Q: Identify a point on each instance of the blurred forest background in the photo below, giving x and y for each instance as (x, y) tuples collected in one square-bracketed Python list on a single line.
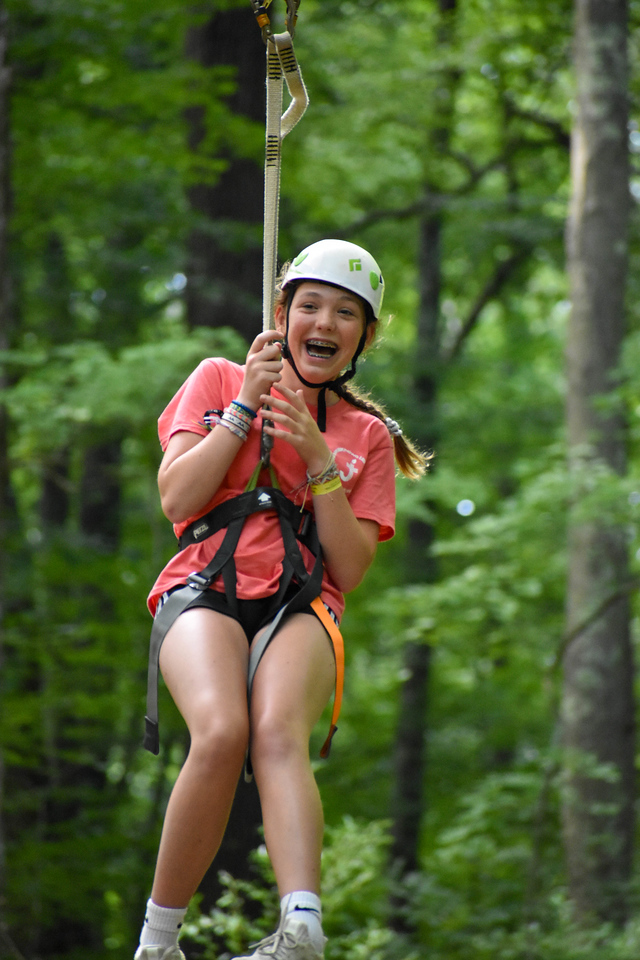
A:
[(480, 794)]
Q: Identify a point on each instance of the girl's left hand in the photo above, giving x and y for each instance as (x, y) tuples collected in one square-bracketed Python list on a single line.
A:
[(293, 422)]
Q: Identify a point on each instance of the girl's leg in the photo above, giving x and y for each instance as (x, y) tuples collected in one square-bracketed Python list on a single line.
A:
[(291, 688), (204, 663)]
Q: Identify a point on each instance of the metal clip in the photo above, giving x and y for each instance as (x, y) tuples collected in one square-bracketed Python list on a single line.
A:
[(291, 17), (197, 582), (260, 10)]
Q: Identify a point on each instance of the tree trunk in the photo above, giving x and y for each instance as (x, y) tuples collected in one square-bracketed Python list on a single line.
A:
[(411, 733), (5, 314), (100, 494), (225, 252), (54, 497), (597, 701)]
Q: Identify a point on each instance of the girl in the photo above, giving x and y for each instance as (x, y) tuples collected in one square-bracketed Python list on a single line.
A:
[(333, 454)]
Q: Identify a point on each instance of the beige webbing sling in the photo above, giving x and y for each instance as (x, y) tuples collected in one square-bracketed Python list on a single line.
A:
[(282, 67)]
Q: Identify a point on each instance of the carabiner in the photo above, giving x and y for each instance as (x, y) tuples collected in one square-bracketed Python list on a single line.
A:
[(291, 16), (260, 10)]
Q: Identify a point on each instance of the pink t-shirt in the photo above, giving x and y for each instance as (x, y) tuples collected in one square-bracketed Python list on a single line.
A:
[(364, 453)]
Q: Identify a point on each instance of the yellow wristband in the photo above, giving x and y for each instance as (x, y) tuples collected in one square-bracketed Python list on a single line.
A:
[(317, 489)]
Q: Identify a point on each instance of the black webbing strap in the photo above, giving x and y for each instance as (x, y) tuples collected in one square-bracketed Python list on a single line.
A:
[(295, 525), (175, 604), (252, 501)]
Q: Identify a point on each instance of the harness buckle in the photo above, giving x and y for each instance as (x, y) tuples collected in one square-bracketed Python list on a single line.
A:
[(197, 581)]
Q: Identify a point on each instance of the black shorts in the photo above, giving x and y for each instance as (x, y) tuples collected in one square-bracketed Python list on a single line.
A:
[(252, 615)]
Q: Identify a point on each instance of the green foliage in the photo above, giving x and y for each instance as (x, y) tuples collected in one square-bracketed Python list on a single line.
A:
[(409, 116), (478, 896), (354, 899)]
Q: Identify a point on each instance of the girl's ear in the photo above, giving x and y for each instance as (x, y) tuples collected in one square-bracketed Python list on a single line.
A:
[(280, 318), (371, 333)]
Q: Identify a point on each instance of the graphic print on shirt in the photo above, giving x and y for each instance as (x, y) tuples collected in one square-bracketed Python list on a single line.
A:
[(349, 463)]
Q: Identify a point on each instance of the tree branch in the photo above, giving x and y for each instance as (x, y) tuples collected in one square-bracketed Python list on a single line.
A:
[(591, 618), (555, 128), (494, 284), (10, 945), (430, 202)]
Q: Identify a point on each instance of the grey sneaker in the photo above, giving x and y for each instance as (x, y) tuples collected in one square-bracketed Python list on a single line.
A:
[(289, 942), (159, 953)]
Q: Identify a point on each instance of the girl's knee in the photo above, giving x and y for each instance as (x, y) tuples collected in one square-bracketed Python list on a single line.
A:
[(219, 740), (275, 737)]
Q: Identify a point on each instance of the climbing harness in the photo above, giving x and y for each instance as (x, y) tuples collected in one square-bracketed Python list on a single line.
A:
[(297, 525)]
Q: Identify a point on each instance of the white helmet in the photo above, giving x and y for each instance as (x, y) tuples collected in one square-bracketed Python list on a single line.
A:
[(342, 264)]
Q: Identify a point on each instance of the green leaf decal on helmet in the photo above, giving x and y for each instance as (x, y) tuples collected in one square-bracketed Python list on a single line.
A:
[(342, 264)]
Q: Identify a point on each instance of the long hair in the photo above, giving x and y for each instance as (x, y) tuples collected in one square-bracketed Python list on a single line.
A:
[(411, 461)]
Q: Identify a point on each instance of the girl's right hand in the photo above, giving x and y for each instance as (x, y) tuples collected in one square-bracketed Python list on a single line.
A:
[(263, 368)]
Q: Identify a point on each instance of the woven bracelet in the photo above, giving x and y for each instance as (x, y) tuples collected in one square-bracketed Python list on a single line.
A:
[(240, 407), (328, 472), (237, 427)]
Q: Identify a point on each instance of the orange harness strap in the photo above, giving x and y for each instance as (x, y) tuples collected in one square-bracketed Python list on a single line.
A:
[(330, 626)]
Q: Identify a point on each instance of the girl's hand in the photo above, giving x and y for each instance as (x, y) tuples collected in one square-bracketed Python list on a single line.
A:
[(348, 544), (293, 422), (263, 368)]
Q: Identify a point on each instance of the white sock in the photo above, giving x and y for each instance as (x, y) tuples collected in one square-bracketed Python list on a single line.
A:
[(161, 927), (306, 906)]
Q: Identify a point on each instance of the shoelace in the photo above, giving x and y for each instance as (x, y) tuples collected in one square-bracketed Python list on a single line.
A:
[(279, 943)]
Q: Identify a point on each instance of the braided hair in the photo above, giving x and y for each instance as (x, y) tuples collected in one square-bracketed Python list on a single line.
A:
[(411, 461)]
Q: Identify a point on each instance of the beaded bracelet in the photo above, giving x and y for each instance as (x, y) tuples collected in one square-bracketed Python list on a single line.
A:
[(327, 486)]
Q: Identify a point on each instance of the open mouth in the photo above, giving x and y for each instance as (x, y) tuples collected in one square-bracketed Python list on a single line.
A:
[(321, 349)]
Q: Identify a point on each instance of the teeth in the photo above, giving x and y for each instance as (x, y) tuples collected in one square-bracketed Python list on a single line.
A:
[(321, 348)]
